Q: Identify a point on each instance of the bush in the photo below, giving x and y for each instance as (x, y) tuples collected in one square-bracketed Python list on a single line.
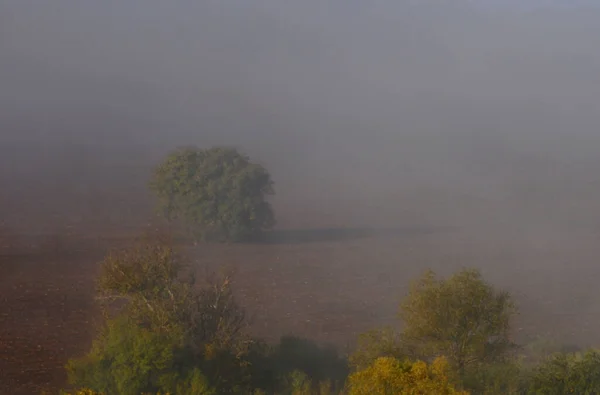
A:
[(163, 333), (568, 374), (218, 193), (131, 360), (296, 365), (387, 375), (502, 378), (322, 366)]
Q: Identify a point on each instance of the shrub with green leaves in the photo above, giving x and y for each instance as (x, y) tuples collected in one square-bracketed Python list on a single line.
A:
[(562, 373), (130, 360), (218, 193), (163, 333), (321, 365)]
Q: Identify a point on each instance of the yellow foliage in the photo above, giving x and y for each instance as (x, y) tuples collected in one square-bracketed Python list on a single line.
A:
[(85, 391), (387, 375), (210, 351)]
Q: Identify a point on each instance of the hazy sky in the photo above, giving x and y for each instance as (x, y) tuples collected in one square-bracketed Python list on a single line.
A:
[(483, 115), (495, 100)]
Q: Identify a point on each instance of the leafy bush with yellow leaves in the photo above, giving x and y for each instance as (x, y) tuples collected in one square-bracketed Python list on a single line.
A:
[(86, 391), (388, 375)]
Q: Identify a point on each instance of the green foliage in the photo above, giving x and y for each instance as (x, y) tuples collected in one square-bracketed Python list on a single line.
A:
[(163, 332), (148, 277), (568, 374), (463, 318), (294, 354), (540, 348), (143, 282), (299, 383), (374, 344), (387, 375), (194, 384), (128, 359), (218, 193), (166, 334), (277, 369), (499, 378)]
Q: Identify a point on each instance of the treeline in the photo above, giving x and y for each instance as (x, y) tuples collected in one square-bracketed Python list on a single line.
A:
[(167, 333)]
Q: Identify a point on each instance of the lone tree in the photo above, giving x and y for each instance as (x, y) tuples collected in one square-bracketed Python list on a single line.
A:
[(218, 193), (463, 318)]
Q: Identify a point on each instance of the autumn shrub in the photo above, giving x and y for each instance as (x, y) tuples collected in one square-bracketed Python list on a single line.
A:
[(390, 376)]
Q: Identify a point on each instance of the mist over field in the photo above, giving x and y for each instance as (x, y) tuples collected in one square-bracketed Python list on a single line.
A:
[(478, 118)]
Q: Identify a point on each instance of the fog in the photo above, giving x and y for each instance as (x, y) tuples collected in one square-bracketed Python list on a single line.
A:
[(470, 114), (475, 121)]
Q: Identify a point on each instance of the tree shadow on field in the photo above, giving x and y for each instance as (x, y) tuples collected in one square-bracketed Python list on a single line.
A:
[(322, 235)]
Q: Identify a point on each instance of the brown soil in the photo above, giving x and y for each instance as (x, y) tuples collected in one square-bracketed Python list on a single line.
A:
[(328, 285)]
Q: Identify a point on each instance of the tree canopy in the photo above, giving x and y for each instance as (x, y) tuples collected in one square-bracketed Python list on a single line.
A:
[(463, 318), (166, 334), (218, 193), (563, 373), (163, 333)]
